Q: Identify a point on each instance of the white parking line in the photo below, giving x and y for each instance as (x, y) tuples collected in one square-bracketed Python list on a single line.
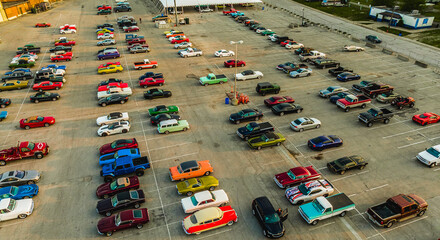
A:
[(322, 168), (349, 176), (169, 204), (371, 189), (429, 139), (414, 130), (176, 157), (356, 235), (384, 125), (391, 229), (436, 169), (154, 149)]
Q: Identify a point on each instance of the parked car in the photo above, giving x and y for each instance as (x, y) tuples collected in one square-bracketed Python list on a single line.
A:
[(430, 157), (157, 93), (42, 25), (362, 84), (334, 99), (44, 96), (163, 109), (266, 140), (114, 128), (264, 88), (172, 125), (249, 74), (296, 176), (147, 82), (426, 118), (139, 49), (401, 102), (283, 108), (20, 192), (302, 72), (336, 71), (270, 220), (373, 39), (122, 184), (13, 209), (4, 102), (348, 76), (332, 90), (118, 145), (182, 45), (232, 63), (19, 177), (193, 185), (110, 69), (131, 29), (245, 115), (112, 118), (304, 123), (122, 200), (309, 191), (106, 42), (375, 115), (208, 219), (351, 48), (190, 169), (272, 101), (204, 199), (341, 165), (47, 85), (13, 85), (123, 220), (387, 97), (323, 142), (224, 53), (36, 121), (155, 120)]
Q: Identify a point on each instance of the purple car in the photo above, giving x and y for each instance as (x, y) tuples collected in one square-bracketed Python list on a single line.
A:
[(323, 142)]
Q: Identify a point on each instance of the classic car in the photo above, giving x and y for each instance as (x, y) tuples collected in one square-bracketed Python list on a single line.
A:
[(122, 200), (112, 99), (304, 123), (231, 63), (157, 93), (104, 12), (296, 176), (147, 82), (358, 87), (172, 36), (114, 128), (123, 220), (227, 12), (179, 40), (13, 209), (104, 7), (109, 189), (112, 117), (190, 169), (70, 30), (283, 108), (205, 199), (341, 165), (129, 47), (19, 177), (118, 145), (104, 30), (110, 80), (13, 84), (401, 102), (260, 29), (182, 45), (163, 109), (323, 142), (58, 58), (163, 117), (20, 192), (112, 85), (44, 96), (64, 42), (3, 115), (267, 32), (36, 121), (172, 125), (334, 99), (302, 72), (136, 41), (61, 48), (272, 101), (106, 36), (266, 140), (139, 49), (18, 75), (249, 74), (245, 115), (151, 75), (387, 97), (106, 42), (47, 85), (270, 220), (42, 25), (4, 102), (293, 45), (131, 29), (111, 69), (107, 49), (373, 39), (193, 185), (332, 90), (109, 64), (308, 191), (224, 53), (104, 25), (208, 219), (352, 48), (348, 76), (426, 118), (281, 66)]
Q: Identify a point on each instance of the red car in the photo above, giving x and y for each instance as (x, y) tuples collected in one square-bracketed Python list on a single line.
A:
[(277, 100), (231, 63), (179, 40), (286, 42), (131, 29), (136, 40), (58, 58), (112, 85), (147, 82), (119, 185), (137, 44), (42, 25), (126, 219), (232, 10), (118, 145), (47, 85), (108, 64), (208, 219), (426, 118), (65, 43), (296, 176), (105, 7), (36, 121)]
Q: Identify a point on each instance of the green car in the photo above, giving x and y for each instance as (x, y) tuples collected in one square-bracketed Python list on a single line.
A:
[(192, 185), (266, 140), (163, 109), (22, 63), (104, 12), (267, 32), (213, 79), (172, 125)]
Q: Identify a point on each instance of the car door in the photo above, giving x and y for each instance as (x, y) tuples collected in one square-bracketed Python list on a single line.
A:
[(10, 182), (315, 193)]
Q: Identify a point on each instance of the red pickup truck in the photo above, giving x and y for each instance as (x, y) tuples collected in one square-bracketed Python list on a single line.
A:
[(24, 150), (147, 82), (136, 40), (352, 101)]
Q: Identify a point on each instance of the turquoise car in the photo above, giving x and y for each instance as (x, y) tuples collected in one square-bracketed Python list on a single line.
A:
[(172, 125), (267, 32)]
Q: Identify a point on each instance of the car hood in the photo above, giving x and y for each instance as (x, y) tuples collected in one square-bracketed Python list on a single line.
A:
[(106, 224), (24, 206), (187, 204), (234, 116), (105, 148), (310, 211), (104, 205), (275, 228), (103, 189), (26, 190), (283, 177), (220, 196), (293, 193), (32, 175), (101, 120), (427, 156), (42, 146)]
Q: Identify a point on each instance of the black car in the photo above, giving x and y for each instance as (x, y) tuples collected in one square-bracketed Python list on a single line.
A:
[(335, 98), (44, 96), (157, 93), (127, 23), (336, 71), (151, 75), (373, 39), (4, 102), (104, 25), (123, 200), (266, 87), (116, 98), (283, 108), (61, 48), (18, 75), (325, 63), (107, 48), (271, 220), (246, 115), (348, 76), (162, 117), (346, 163), (122, 8), (110, 80)]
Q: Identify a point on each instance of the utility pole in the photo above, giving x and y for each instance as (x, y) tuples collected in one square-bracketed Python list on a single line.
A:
[(392, 15), (235, 101), (175, 12)]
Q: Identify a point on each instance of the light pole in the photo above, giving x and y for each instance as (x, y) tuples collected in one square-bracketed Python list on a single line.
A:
[(392, 15), (235, 76), (302, 21)]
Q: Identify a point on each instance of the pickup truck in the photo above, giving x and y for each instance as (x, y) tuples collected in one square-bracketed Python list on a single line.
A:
[(311, 55), (28, 48), (124, 153), (374, 89), (145, 64), (254, 129), (336, 71), (191, 52), (130, 36), (352, 101), (124, 166), (325, 207), (136, 40), (396, 209), (121, 91), (49, 77), (213, 79), (23, 150), (374, 115)]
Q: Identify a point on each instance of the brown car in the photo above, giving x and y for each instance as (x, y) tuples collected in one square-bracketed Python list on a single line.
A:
[(123, 200)]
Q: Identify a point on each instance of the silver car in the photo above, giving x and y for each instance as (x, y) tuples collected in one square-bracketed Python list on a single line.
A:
[(19, 177), (305, 123), (106, 42), (182, 45), (139, 49)]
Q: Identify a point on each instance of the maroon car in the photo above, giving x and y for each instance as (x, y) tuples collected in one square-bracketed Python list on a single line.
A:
[(125, 219), (122, 200), (118, 145), (296, 176), (277, 100), (119, 185), (231, 63)]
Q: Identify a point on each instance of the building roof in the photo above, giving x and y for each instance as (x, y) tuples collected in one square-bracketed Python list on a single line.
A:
[(393, 15), (13, 4), (186, 3)]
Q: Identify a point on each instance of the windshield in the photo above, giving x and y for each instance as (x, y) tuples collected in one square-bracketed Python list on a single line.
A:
[(14, 190), (193, 219), (297, 122), (248, 127), (194, 201), (273, 218), (372, 112), (241, 113), (317, 206), (179, 169), (433, 152), (31, 145), (113, 145), (11, 205), (423, 116), (303, 189), (114, 201), (330, 89), (264, 138), (118, 219), (291, 175), (113, 185)]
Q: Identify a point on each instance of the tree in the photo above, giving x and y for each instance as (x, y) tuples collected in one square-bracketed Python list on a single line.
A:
[(388, 3), (409, 5)]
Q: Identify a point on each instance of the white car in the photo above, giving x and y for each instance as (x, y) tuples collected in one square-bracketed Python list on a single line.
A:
[(106, 42), (114, 128), (431, 156), (205, 10), (178, 36), (273, 37), (302, 72), (32, 58), (182, 45), (112, 118), (353, 48), (294, 45), (64, 31), (309, 191), (262, 30), (304, 123), (203, 200), (114, 90), (12, 209), (224, 53), (249, 74), (191, 52), (57, 72), (106, 36)]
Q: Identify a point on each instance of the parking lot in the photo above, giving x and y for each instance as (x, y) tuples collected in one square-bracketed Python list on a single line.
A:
[(65, 206)]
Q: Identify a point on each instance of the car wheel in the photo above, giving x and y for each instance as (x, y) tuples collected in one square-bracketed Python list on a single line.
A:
[(230, 223), (301, 130), (259, 148), (2, 163), (108, 214), (109, 234), (27, 127), (230, 66), (389, 224), (211, 188), (300, 202), (103, 104), (278, 143), (123, 101), (370, 124), (400, 107), (154, 66), (184, 129), (23, 216), (167, 132), (318, 126), (281, 113), (342, 172), (30, 182), (54, 99), (361, 167), (343, 214), (104, 134), (315, 222), (421, 213), (139, 226), (140, 172), (386, 121), (363, 105), (299, 110), (259, 77), (207, 173), (347, 109), (206, 84), (256, 119), (432, 165), (411, 105), (46, 124), (3, 106), (237, 122), (27, 197)]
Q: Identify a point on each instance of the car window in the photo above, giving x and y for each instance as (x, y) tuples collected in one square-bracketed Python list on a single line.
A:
[(407, 209)]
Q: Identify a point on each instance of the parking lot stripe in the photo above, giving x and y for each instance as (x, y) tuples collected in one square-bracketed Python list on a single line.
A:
[(176, 157), (436, 169), (408, 145), (324, 225), (214, 234), (414, 130), (402, 225), (171, 146), (356, 235), (384, 125), (371, 189)]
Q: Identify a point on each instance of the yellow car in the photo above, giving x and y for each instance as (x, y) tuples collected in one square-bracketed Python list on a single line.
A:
[(111, 69), (172, 31), (14, 84), (105, 30)]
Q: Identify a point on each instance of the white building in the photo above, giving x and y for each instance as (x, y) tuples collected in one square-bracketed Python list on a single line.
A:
[(414, 21)]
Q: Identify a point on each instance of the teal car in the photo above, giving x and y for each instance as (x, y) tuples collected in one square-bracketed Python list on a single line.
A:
[(104, 12), (267, 32), (163, 109), (213, 79), (172, 125)]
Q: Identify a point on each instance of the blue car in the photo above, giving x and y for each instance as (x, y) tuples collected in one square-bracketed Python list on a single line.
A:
[(108, 28), (151, 75), (54, 66), (18, 70), (335, 98), (323, 142), (348, 76), (20, 192), (236, 14)]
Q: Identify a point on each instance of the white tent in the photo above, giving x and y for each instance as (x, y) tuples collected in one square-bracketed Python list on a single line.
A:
[(187, 3)]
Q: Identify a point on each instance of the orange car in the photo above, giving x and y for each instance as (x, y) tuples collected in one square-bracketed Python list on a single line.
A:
[(190, 169), (175, 34)]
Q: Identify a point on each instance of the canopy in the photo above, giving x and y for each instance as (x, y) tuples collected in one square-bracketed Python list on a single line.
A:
[(186, 3)]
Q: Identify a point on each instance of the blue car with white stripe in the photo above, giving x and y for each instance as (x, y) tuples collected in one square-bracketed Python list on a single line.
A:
[(19, 192)]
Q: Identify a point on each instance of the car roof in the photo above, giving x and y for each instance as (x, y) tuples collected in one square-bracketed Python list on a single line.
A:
[(189, 164), (248, 110), (271, 135), (208, 213), (266, 205), (268, 84), (166, 122), (299, 171), (203, 196)]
